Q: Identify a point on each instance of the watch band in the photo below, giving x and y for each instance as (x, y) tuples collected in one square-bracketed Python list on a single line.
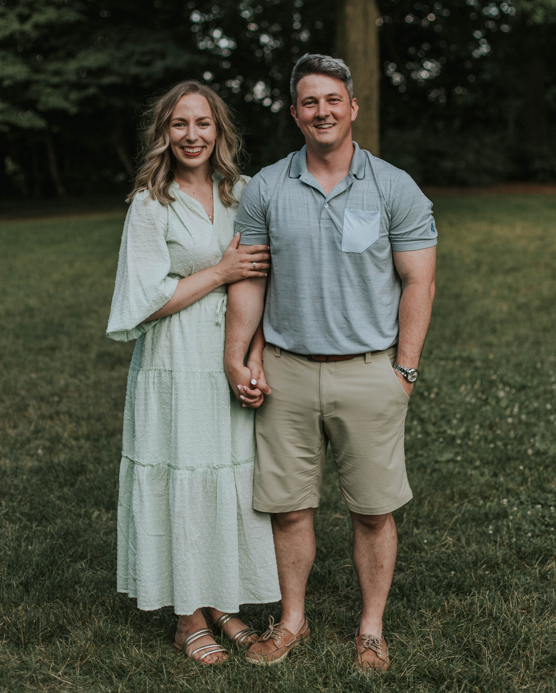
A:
[(410, 374)]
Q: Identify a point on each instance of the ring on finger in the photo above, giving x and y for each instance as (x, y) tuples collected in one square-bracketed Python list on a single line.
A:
[(254, 265)]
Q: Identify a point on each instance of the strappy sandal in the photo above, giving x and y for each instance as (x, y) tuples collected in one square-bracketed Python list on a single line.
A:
[(212, 649), (241, 638)]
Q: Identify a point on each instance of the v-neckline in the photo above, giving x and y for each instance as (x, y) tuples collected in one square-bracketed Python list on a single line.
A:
[(198, 204)]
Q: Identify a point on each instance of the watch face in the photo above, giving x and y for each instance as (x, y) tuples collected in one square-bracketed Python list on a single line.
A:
[(412, 376)]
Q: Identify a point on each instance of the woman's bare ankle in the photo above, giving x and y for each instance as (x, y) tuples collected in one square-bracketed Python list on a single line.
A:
[(231, 627), (190, 623), (214, 613)]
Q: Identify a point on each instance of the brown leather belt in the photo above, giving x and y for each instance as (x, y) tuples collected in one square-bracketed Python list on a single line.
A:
[(323, 359)]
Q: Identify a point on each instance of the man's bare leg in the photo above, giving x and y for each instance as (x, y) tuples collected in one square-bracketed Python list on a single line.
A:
[(294, 539), (375, 545)]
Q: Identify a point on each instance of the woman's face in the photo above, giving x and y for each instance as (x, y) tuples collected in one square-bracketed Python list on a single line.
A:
[(192, 131)]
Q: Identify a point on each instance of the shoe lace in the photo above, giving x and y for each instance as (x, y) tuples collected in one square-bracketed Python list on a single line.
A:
[(371, 642), (274, 631)]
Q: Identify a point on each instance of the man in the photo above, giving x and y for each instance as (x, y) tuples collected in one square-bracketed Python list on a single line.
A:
[(345, 230)]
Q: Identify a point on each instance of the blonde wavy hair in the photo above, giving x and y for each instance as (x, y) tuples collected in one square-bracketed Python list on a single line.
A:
[(156, 172)]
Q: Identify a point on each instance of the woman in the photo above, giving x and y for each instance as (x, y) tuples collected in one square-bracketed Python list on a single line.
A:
[(187, 533)]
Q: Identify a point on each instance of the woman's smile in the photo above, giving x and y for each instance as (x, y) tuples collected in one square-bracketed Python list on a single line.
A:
[(192, 152)]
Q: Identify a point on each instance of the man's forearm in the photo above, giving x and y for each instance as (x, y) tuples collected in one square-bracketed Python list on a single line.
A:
[(243, 315), (414, 316)]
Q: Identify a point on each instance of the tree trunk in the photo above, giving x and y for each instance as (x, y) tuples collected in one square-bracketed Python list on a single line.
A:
[(121, 150), (4, 179), (14, 170), (36, 172), (53, 164), (535, 101), (358, 45)]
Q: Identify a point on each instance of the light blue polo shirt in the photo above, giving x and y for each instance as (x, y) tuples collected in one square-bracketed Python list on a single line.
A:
[(333, 285)]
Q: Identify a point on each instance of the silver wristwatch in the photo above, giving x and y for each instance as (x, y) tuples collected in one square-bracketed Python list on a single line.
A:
[(410, 374)]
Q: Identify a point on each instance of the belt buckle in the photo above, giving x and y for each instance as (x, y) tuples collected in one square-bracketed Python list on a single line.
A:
[(323, 358)]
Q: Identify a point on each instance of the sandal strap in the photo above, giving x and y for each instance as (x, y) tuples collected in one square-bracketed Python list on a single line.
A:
[(195, 636), (221, 622), (212, 649), (240, 636)]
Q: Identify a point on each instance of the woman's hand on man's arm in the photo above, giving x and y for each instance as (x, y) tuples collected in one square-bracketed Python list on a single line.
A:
[(243, 262)]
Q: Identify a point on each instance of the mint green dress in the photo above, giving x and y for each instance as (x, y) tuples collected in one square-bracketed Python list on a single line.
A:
[(187, 533)]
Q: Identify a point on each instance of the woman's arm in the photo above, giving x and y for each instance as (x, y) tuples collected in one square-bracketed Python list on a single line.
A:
[(189, 290), (236, 264)]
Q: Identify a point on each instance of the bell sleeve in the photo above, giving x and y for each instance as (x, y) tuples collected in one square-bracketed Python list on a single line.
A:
[(142, 282)]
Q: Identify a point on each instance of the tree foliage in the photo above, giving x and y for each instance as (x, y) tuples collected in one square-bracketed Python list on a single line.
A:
[(478, 81), (537, 11), (468, 87)]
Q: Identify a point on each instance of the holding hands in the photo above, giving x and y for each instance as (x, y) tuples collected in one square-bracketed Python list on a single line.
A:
[(249, 383)]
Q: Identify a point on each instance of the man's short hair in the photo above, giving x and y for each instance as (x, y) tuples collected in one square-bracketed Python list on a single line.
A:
[(316, 64)]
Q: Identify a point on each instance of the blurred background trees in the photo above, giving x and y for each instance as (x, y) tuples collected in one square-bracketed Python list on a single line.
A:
[(461, 92)]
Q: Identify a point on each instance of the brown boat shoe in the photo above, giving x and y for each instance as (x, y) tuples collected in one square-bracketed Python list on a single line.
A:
[(371, 653), (275, 644)]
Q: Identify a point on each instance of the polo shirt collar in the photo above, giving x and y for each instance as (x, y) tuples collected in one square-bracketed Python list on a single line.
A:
[(358, 162), (357, 169), (298, 165)]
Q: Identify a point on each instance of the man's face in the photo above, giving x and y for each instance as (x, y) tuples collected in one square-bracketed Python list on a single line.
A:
[(323, 111)]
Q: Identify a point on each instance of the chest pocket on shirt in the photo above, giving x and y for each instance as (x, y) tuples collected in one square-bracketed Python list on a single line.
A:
[(361, 229)]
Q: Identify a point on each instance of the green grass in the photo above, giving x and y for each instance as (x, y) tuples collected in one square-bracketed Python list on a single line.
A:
[(472, 606)]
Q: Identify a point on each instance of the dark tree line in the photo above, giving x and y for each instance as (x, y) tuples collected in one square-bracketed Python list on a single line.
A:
[(467, 87)]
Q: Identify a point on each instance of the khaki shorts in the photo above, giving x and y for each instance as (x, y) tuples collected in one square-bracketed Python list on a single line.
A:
[(359, 406)]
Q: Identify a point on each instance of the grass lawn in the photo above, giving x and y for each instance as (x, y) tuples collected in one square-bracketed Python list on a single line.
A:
[(472, 606)]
